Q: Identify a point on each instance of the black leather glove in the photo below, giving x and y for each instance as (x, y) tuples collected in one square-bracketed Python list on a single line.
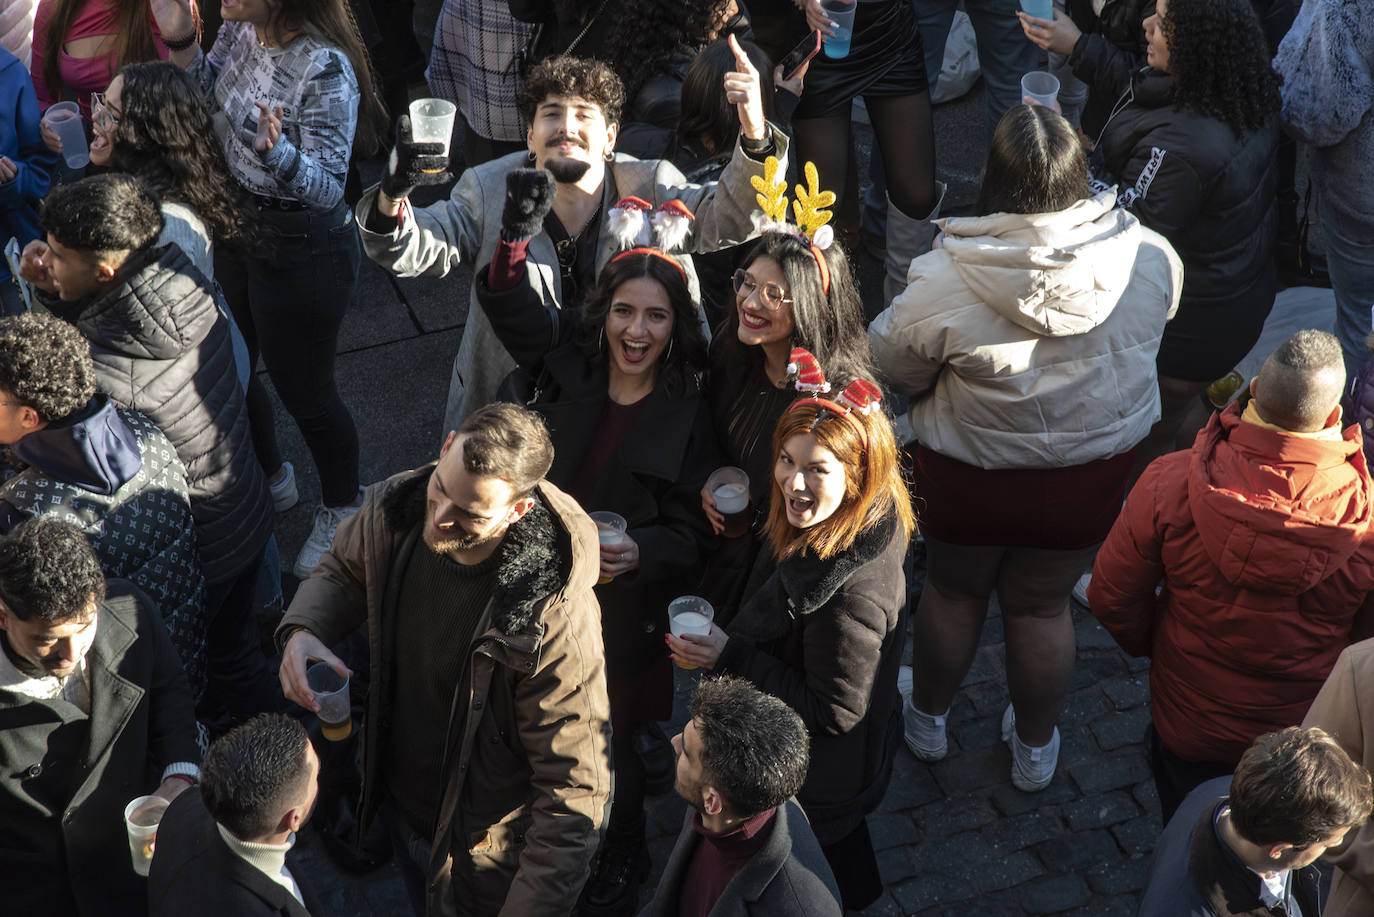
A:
[(529, 198), (412, 164)]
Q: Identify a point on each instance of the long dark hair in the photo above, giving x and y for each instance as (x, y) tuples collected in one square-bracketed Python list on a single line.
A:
[(830, 326), (650, 33), (680, 367), (706, 114), (331, 23), (1035, 164), (133, 37), (164, 137), (1220, 62)]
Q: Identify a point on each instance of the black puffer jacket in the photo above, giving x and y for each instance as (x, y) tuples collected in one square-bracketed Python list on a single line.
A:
[(1190, 178), (1118, 29), (162, 347), (826, 637)]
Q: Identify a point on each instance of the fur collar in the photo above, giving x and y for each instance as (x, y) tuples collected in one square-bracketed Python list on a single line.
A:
[(533, 562), (810, 583)]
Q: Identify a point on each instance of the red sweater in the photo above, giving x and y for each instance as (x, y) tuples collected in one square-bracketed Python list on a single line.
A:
[(718, 859)]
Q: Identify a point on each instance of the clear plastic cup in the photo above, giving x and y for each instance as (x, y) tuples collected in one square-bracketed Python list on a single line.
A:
[(65, 119), (1040, 88), (431, 121), (331, 693), (729, 487), (141, 818), (841, 12), (1040, 9), (690, 614), (610, 532)]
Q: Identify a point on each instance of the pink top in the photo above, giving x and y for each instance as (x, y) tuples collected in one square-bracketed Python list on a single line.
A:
[(80, 75)]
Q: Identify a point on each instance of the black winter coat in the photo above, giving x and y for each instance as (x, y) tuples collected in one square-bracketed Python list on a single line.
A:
[(1211, 193), (653, 479), (826, 637), (162, 347), (1118, 29)]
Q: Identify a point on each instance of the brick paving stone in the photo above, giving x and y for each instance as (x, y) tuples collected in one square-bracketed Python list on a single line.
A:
[(999, 904), (953, 815), (1116, 730), (1023, 831), (930, 890), (896, 864), (1119, 877), (892, 829), (1083, 707), (1137, 664), (1127, 692), (988, 699), (912, 788), (973, 769), (1101, 811), (1147, 795), (1095, 668), (1005, 872), (1121, 907), (952, 855), (1076, 852), (1054, 894), (886, 906), (987, 665), (1139, 834), (1076, 744), (1109, 773), (981, 732), (1089, 635), (1011, 801)]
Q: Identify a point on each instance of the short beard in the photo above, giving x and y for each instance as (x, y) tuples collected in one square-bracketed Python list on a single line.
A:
[(567, 171), (465, 543)]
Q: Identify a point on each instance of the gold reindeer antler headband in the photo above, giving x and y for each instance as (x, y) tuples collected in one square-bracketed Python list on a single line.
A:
[(809, 208)]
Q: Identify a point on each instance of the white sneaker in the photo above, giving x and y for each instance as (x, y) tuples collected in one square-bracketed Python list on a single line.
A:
[(924, 733), (284, 495), (327, 519), (1080, 590), (1032, 769)]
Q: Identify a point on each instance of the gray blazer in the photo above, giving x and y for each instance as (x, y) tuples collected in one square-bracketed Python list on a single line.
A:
[(788, 877), (464, 230)]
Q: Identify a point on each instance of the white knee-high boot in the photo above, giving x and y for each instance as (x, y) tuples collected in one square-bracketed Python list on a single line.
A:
[(907, 238)]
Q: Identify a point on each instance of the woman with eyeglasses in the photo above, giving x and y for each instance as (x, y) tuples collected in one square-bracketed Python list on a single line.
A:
[(620, 388), (781, 301)]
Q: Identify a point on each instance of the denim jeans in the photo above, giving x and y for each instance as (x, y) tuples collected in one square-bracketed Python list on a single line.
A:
[(1350, 260), (289, 304)]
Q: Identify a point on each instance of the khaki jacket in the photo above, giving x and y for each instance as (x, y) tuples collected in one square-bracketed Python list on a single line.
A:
[(531, 767), (1342, 708)]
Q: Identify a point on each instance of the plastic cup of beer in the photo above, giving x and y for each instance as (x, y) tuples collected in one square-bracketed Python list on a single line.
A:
[(141, 818), (690, 614), (65, 119), (1040, 88), (331, 693), (610, 532), (431, 121), (729, 487)]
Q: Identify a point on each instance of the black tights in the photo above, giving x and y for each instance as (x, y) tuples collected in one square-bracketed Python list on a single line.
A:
[(905, 136)]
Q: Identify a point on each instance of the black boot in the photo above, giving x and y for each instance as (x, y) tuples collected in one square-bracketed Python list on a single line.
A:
[(621, 867)]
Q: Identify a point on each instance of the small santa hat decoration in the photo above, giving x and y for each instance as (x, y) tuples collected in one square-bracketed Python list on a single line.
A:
[(672, 222), (804, 366), (628, 222), (861, 395)]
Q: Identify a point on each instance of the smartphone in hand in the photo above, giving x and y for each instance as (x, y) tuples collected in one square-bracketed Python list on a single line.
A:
[(795, 59)]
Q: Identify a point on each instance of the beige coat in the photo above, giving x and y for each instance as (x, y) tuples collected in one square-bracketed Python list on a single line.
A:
[(1029, 340), (1345, 708)]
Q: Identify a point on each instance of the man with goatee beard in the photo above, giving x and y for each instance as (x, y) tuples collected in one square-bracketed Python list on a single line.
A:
[(487, 725), (572, 110)]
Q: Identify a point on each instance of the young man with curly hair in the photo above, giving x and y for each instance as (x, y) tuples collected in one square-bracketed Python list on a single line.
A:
[(94, 711), (572, 108)]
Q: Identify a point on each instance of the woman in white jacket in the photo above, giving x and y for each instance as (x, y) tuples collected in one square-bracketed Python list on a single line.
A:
[(1026, 342)]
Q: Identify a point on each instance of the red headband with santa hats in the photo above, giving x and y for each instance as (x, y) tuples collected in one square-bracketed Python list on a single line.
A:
[(859, 396)]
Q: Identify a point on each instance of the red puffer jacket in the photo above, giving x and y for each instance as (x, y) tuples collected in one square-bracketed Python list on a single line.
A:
[(1262, 543)]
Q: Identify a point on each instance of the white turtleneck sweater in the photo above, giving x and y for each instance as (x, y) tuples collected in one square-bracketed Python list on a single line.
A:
[(269, 859)]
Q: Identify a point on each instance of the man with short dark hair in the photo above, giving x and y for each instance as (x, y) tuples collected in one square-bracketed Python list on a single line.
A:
[(222, 850), (162, 347), (745, 844), (571, 109), (1244, 566), (486, 740), (1294, 795), (94, 711)]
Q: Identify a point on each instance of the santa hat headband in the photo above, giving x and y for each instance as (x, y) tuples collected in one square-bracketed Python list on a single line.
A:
[(858, 397), (809, 208), (636, 225)]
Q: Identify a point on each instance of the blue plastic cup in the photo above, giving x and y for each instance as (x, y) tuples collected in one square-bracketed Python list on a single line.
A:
[(1040, 9), (841, 12)]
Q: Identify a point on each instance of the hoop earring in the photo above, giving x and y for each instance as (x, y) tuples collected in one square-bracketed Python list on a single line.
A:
[(668, 354), (609, 155), (531, 157), (600, 340)]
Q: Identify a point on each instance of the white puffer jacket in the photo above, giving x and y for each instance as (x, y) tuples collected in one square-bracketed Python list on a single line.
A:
[(1029, 340)]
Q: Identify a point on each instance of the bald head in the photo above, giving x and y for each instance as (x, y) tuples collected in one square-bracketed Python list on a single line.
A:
[(1301, 382)]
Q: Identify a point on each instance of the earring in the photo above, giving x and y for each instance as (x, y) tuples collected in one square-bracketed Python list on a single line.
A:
[(531, 157), (668, 354), (600, 340), (610, 155)]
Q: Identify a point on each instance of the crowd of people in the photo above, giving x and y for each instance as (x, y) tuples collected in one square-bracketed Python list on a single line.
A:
[(660, 209)]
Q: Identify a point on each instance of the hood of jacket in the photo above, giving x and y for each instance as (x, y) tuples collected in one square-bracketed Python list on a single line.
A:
[(94, 449), (539, 555), (1277, 512), (1056, 274), (160, 309)]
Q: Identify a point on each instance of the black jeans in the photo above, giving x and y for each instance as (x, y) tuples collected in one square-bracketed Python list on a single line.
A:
[(1176, 777), (241, 683), (289, 304)]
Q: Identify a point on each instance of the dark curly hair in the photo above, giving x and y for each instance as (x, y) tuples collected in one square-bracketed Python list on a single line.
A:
[(252, 774), (651, 33), (49, 571), (164, 137), (572, 76), (1220, 62), (102, 215), (680, 367), (46, 364), (754, 747)]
